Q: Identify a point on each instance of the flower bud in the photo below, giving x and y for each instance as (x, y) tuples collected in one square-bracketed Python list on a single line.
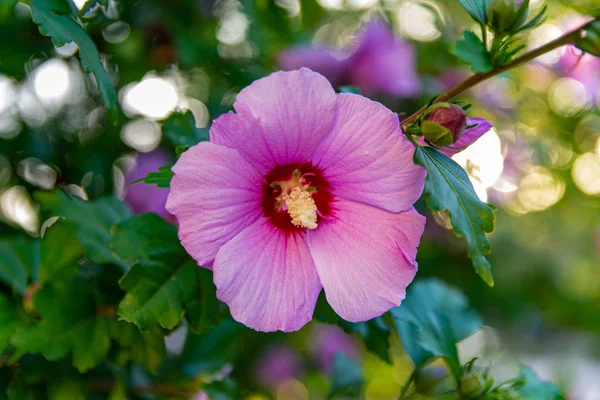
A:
[(444, 125), (507, 15), (30, 291), (473, 386), (433, 380)]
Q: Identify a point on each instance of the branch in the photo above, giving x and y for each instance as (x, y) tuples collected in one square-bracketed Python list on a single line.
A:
[(473, 80)]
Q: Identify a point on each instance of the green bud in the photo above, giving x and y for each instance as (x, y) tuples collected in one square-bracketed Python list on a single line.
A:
[(444, 125), (507, 16), (434, 380), (473, 386)]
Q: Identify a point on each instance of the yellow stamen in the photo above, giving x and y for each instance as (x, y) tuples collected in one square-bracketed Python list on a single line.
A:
[(301, 207)]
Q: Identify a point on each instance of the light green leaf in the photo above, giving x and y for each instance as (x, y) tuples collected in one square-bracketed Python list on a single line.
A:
[(59, 252), (447, 187), (69, 323), (54, 20), (431, 320), (93, 220), (347, 377), (472, 51), (161, 178)]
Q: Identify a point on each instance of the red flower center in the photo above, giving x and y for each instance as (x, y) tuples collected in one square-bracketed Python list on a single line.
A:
[(276, 182)]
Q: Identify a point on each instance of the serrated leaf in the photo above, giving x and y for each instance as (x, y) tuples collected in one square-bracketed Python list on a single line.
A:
[(19, 259), (472, 51), (447, 187), (145, 348), (477, 9), (59, 252), (161, 178), (181, 130), (431, 320), (146, 237), (156, 293), (374, 333), (91, 4), (347, 377), (54, 20), (93, 220), (69, 323)]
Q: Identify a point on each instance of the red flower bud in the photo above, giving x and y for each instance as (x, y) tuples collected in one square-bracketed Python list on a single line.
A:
[(444, 125)]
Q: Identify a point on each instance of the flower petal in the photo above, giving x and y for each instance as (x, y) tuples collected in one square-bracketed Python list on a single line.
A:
[(267, 278), (469, 136), (367, 159), (383, 63), (327, 62), (292, 112), (215, 194), (365, 258)]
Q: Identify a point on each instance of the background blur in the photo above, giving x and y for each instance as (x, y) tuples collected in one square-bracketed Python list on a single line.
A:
[(178, 65)]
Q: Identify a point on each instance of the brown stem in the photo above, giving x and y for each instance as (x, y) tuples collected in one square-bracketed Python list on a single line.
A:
[(477, 78), (107, 387)]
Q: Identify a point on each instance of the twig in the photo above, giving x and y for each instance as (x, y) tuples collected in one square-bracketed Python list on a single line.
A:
[(477, 78)]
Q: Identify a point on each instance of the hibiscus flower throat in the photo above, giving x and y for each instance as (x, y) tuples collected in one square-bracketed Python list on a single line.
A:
[(296, 197)]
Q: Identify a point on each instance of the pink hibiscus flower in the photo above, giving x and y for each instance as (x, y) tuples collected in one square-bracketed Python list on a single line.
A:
[(301, 189), (379, 62)]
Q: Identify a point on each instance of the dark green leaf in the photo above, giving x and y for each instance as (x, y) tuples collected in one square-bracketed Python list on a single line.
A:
[(59, 252), (91, 4), (146, 237), (590, 41), (181, 130), (472, 51), (93, 220), (70, 322), (431, 320), (347, 377), (448, 187), (67, 387), (210, 351), (157, 292), (54, 20), (19, 259), (162, 178), (202, 310), (375, 333), (10, 321), (224, 390), (145, 348)]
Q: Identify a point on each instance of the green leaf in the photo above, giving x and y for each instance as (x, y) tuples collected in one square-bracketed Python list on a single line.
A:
[(19, 259), (477, 9), (67, 387), (93, 220), (347, 377), (162, 178), (472, 51), (70, 322), (224, 390), (431, 320), (530, 387), (59, 252), (210, 351), (202, 310), (146, 237), (156, 293), (145, 348), (181, 130), (54, 20), (10, 321), (590, 41), (374, 333), (91, 4), (447, 187)]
